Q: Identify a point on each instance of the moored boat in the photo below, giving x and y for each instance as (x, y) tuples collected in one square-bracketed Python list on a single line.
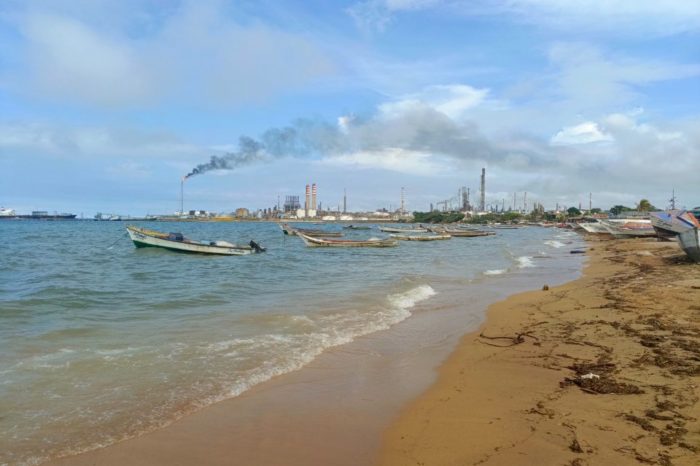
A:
[(177, 242), (316, 242), (420, 237), (457, 233), (291, 231), (690, 243), (403, 230), (357, 227)]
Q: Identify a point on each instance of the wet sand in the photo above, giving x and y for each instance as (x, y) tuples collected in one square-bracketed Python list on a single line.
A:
[(602, 370)]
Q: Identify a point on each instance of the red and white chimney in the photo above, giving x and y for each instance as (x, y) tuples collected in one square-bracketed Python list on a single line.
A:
[(313, 197), (307, 201)]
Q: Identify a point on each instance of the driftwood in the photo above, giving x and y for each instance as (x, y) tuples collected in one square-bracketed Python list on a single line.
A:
[(510, 340)]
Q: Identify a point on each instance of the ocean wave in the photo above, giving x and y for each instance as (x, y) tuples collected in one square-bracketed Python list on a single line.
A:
[(525, 262), (554, 243), (495, 272)]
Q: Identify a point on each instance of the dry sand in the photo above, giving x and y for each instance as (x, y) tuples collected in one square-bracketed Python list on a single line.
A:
[(602, 370)]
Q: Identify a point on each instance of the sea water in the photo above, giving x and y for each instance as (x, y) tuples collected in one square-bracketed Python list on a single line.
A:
[(100, 341)]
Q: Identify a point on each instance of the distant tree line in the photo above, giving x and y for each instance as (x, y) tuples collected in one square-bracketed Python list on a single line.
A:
[(537, 214)]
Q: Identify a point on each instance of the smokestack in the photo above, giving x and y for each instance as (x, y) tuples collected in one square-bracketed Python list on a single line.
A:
[(482, 205), (313, 197), (403, 204), (182, 195), (345, 201), (307, 200)]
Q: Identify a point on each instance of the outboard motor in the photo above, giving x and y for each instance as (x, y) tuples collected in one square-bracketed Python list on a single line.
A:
[(256, 247)]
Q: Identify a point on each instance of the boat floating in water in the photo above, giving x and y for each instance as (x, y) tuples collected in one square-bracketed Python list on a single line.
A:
[(291, 231), (316, 242), (357, 227), (177, 242), (462, 233), (403, 230), (421, 237)]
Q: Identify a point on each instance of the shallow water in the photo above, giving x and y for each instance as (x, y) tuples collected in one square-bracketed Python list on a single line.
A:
[(101, 344)]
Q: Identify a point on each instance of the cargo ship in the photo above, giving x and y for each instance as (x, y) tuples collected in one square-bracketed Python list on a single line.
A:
[(44, 215)]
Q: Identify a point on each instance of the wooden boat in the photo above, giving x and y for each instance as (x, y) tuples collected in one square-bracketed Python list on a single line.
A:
[(462, 232), (291, 231), (420, 237), (671, 223), (690, 243), (630, 228), (357, 227), (315, 242), (403, 230), (177, 242)]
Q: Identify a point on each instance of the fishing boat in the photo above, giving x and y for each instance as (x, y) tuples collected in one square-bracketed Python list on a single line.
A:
[(595, 228), (291, 231), (637, 228), (177, 242), (357, 227), (462, 233), (671, 223), (315, 242), (420, 237), (690, 243), (403, 230)]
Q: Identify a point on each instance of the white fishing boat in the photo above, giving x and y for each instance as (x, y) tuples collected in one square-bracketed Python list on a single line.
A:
[(671, 223), (316, 242), (595, 228), (403, 230), (690, 243), (421, 237), (177, 242), (628, 228)]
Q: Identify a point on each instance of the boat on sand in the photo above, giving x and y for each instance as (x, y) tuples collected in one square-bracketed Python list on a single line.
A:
[(143, 237), (690, 243), (315, 242)]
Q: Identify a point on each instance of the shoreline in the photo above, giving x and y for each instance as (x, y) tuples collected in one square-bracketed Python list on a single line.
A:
[(333, 410), (604, 369)]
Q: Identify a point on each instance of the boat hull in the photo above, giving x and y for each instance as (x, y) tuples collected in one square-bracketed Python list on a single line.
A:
[(403, 230), (146, 238), (690, 243), (421, 238), (314, 242)]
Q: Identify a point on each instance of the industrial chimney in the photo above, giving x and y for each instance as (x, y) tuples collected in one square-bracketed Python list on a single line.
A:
[(307, 200), (482, 202), (313, 197)]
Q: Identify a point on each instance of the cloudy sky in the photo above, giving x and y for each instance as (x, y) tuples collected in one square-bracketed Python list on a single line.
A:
[(105, 105)]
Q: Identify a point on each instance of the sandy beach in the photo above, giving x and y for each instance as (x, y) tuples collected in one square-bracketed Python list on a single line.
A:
[(602, 370)]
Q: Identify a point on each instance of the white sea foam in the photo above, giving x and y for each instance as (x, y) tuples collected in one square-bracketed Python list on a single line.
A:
[(525, 262), (495, 272), (554, 243)]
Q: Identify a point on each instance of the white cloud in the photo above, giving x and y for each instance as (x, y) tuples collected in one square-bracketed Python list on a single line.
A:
[(626, 17), (392, 159), (63, 141), (584, 133), (194, 52), (452, 100)]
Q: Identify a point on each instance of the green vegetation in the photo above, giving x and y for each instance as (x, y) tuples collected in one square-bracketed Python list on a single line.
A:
[(573, 212), (618, 209), (437, 217), (645, 206)]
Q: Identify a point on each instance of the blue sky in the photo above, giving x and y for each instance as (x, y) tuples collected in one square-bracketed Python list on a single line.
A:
[(105, 105)]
